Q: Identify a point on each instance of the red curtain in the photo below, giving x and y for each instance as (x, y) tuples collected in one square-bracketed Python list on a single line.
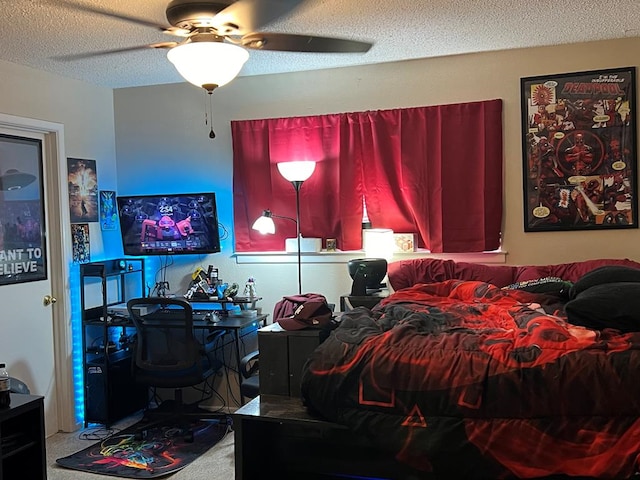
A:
[(330, 201), (436, 171), (433, 171)]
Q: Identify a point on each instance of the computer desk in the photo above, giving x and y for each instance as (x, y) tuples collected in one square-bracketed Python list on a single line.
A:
[(233, 324)]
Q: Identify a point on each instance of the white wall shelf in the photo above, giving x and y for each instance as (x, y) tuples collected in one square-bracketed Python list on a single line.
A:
[(343, 257)]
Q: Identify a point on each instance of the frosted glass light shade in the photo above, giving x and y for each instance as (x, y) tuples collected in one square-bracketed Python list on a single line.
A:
[(264, 224), (296, 171), (208, 63), (378, 243)]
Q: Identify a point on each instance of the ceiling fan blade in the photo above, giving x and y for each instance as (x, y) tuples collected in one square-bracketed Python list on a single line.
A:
[(244, 16), (113, 14), (303, 43), (80, 56)]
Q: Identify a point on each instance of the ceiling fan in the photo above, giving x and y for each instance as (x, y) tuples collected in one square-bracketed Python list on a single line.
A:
[(217, 34)]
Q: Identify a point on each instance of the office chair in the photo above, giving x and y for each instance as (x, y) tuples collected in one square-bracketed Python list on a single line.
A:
[(168, 354), (249, 365)]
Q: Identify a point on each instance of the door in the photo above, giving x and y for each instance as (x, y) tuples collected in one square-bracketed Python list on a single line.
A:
[(30, 268)]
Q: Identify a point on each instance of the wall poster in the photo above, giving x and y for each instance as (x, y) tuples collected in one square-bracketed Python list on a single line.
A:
[(83, 190), (80, 242), (22, 228), (579, 150), (108, 210)]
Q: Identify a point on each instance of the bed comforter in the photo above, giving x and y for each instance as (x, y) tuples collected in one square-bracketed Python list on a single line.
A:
[(467, 380)]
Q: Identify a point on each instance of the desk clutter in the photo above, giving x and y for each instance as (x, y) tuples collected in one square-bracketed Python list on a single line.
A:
[(110, 337), (209, 286)]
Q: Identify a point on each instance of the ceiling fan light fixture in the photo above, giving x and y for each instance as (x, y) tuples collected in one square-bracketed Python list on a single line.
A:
[(208, 63)]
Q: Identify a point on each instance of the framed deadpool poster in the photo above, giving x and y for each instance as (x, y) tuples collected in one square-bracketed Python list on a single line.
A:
[(579, 150)]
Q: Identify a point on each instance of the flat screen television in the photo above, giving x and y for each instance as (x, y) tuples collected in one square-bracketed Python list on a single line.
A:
[(185, 223)]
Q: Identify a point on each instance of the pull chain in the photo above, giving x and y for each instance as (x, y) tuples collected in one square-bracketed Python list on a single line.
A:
[(212, 134), (206, 113), (208, 116)]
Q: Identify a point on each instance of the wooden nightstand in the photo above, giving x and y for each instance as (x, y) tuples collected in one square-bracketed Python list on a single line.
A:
[(23, 451), (349, 302)]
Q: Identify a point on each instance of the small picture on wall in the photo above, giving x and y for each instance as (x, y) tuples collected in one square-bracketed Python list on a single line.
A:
[(80, 242), (108, 210), (579, 150), (83, 190)]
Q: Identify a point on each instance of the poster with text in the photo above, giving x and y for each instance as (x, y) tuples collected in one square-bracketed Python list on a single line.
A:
[(83, 190), (579, 150), (22, 211)]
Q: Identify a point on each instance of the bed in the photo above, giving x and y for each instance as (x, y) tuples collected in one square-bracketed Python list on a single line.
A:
[(491, 371)]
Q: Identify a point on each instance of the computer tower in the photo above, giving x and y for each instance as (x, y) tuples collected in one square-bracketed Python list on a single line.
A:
[(95, 394), (120, 396)]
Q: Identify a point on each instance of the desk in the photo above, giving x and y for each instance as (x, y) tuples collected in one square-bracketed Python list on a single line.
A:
[(242, 302), (233, 324)]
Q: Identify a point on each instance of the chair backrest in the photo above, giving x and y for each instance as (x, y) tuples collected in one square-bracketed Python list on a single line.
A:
[(167, 354)]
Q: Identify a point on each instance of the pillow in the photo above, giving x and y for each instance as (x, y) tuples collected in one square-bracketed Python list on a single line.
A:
[(604, 275), (610, 305), (549, 285), (576, 270)]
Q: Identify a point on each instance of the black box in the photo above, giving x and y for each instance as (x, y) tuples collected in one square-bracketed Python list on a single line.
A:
[(122, 397), (283, 354)]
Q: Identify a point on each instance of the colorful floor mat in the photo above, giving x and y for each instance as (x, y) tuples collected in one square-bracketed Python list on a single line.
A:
[(165, 449)]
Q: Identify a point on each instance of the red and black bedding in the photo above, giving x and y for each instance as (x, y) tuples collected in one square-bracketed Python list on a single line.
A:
[(465, 379)]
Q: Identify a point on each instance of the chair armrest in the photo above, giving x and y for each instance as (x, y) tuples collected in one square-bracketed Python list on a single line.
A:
[(249, 364)]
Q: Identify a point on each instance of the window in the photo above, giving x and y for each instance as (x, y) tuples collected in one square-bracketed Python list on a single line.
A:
[(433, 171)]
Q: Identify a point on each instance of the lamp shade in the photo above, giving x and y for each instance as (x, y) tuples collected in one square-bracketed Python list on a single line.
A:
[(264, 223), (208, 63), (298, 171), (378, 242)]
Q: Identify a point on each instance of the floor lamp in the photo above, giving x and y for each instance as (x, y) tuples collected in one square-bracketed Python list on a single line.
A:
[(297, 173)]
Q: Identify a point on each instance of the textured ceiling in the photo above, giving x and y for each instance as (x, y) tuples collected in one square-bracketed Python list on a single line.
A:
[(33, 32)]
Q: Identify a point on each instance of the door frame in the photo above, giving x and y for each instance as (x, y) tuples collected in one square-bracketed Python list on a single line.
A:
[(59, 240)]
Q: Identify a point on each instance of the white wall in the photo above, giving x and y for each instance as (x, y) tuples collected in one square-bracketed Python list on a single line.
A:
[(86, 111), (162, 140)]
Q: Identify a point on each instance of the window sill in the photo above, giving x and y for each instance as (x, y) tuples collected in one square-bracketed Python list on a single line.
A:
[(498, 256)]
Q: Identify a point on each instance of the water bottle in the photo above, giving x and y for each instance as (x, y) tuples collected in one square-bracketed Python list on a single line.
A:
[(5, 396)]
